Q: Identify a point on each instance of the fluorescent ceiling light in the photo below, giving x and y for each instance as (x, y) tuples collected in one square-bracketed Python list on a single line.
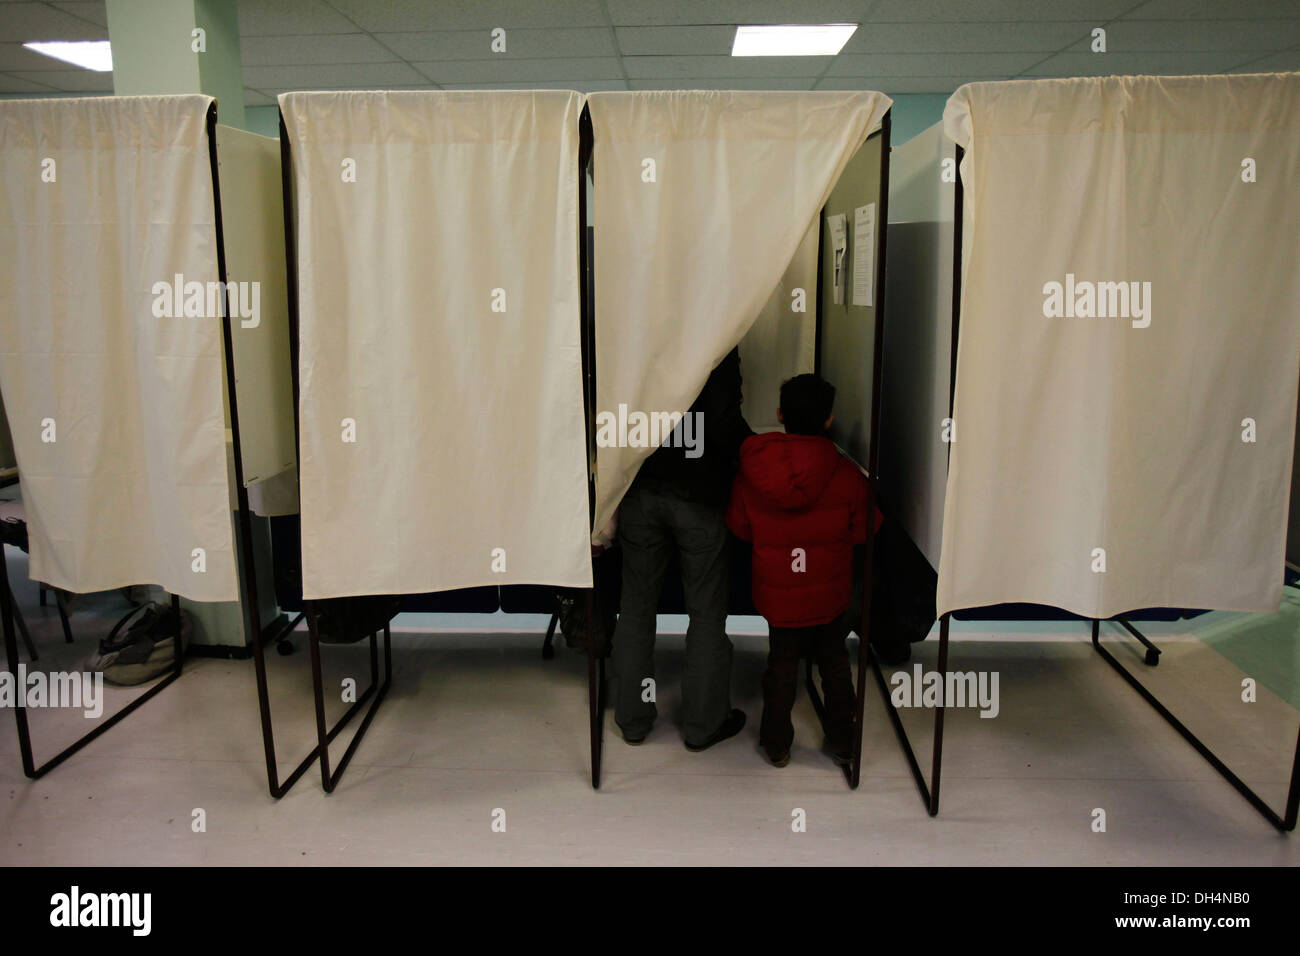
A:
[(814, 39), (94, 55)]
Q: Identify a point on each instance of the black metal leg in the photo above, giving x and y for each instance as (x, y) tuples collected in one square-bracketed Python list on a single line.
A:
[(22, 625), (1152, 657), (548, 645), (930, 792), (60, 603), (277, 788), (595, 690), (323, 736), (7, 613), (1285, 823)]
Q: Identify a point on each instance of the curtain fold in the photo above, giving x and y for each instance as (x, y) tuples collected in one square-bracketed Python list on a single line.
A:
[(701, 201)]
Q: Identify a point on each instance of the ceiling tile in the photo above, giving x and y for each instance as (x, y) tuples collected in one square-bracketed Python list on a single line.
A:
[(1213, 10), (72, 81), (933, 64), (680, 41), (17, 84), (23, 22), (325, 88), (582, 86), (1197, 36), (406, 16), (725, 83), (894, 85), (93, 10), (14, 56), (520, 44), (509, 71), (338, 76), (967, 37), (1011, 12), (327, 48), (1287, 62), (668, 12), (668, 67), (290, 18), (1126, 64)]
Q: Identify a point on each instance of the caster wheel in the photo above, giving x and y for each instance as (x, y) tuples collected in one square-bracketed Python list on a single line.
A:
[(548, 652), (1152, 658), (284, 648)]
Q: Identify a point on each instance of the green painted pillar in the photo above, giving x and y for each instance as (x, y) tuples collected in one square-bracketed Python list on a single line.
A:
[(192, 46), (179, 46)]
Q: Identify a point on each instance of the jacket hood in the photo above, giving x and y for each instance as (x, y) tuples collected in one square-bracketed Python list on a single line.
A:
[(790, 471)]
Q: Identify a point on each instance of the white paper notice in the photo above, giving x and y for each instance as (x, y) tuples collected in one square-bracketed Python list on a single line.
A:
[(839, 247), (864, 246)]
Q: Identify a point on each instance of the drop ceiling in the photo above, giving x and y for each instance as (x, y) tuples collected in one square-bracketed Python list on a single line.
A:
[(903, 46)]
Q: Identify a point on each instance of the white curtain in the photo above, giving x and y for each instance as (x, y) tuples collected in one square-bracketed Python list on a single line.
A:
[(1129, 343), (701, 200), (116, 406), (441, 424)]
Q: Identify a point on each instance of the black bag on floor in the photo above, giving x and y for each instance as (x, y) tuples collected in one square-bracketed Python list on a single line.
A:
[(347, 620)]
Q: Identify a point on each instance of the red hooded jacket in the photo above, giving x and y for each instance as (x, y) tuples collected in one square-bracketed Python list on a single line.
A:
[(804, 505)]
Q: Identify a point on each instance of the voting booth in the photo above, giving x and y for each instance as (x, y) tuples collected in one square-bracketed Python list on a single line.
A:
[(1124, 407), (736, 219), (441, 429), (116, 368)]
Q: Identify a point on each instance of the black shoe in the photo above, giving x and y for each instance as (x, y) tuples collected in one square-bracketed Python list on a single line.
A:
[(776, 760), (730, 727), (635, 741)]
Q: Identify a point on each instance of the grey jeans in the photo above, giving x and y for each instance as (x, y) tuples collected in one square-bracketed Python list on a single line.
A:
[(652, 523)]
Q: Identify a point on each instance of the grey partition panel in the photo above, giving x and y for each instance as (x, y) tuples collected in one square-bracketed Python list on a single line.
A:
[(847, 335), (8, 460), (917, 370), (252, 218)]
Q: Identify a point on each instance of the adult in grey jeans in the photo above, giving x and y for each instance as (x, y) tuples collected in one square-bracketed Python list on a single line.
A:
[(676, 504)]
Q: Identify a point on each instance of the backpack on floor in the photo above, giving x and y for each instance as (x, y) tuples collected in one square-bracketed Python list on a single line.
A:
[(144, 650)]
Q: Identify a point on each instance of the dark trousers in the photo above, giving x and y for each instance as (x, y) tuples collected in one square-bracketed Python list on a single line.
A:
[(824, 645), (653, 523)]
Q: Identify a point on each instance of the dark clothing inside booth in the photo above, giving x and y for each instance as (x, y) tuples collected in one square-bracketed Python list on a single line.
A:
[(824, 645), (707, 478), (675, 507)]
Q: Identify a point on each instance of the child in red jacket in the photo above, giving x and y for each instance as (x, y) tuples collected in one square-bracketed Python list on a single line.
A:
[(804, 506)]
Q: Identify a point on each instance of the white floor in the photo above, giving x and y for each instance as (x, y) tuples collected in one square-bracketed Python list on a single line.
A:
[(478, 722)]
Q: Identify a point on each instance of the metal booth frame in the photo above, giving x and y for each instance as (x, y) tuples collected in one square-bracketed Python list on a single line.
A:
[(1285, 822), (597, 643)]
